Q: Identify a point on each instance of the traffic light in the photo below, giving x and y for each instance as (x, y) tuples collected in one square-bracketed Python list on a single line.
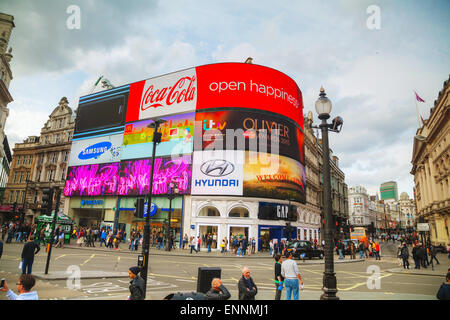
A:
[(47, 201), (139, 211)]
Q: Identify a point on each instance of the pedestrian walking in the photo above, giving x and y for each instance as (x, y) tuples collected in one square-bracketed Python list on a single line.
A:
[(30, 249), (271, 248), (60, 240), (399, 255), (217, 291), (444, 291), (1, 249), (377, 251), (209, 241), (24, 285), (361, 249), (103, 237), (185, 240), (432, 251), (279, 279), (405, 256), (240, 248), (244, 245), (340, 247), (80, 239), (352, 250), (136, 284), (137, 241), (199, 241), (292, 278), (246, 286), (253, 246), (193, 245)]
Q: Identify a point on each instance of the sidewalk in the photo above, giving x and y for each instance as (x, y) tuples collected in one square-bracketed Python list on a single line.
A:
[(438, 270), (204, 254)]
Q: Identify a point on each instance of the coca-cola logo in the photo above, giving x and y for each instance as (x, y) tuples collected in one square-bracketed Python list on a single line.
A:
[(182, 91)]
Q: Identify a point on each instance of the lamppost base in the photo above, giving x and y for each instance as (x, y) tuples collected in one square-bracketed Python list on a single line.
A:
[(329, 294)]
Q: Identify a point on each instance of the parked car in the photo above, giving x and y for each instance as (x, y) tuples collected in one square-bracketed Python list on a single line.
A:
[(441, 248), (305, 247)]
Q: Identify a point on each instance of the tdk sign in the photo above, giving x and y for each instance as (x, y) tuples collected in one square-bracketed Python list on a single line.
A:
[(95, 150)]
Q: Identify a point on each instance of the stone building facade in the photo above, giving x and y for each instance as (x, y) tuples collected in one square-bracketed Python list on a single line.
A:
[(6, 27), (41, 162), (431, 169)]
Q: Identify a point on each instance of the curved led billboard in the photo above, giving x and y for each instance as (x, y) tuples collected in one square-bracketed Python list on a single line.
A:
[(222, 116)]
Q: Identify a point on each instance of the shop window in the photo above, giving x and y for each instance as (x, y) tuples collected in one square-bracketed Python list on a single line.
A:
[(239, 212), (209, 212)]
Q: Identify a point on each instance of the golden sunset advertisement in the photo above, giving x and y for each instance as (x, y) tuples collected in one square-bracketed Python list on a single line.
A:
[(273, 176)]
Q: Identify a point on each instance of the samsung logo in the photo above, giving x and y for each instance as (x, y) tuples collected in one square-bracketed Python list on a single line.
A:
[(95, 150)]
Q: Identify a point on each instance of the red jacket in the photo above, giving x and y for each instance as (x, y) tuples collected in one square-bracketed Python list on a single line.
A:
[(377, 247)]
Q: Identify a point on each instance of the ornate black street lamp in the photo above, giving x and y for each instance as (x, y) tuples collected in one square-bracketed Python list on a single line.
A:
[(323, 108), (173, 192), (146, 241)]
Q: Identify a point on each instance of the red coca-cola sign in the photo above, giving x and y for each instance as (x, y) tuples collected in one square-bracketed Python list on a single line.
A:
[(222, 85), (169, 94), (182, 91)]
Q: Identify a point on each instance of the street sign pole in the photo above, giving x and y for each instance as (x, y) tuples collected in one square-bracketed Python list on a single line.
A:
[(58, 197)]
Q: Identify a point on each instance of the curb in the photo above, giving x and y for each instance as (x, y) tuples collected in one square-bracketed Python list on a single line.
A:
[(63, 275), (396, 271)]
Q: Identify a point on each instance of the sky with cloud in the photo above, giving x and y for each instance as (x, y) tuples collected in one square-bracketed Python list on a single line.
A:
[(369, 74)]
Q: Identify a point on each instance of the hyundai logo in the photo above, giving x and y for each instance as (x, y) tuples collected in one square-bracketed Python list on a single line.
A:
[(217, 168)]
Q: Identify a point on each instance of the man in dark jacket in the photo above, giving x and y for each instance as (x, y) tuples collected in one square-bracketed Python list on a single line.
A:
[(415, 254), (1, 249), (444, 290), (136, 284), (29, 250), (247, 288), (405, 255), (217, 291), (422, 254)]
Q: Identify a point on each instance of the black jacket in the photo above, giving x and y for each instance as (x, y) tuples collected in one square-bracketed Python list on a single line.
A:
[(444, 292), (223, 294), (278, 272), (415, 253), (137, 288), (1, 248), (405, 252), (245, 294), (29, 248)]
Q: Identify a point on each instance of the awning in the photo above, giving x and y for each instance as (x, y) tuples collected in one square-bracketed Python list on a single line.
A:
[(61, 219)]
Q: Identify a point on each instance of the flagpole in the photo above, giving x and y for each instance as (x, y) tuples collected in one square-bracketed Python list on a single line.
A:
[(418, 117), (417, 110)]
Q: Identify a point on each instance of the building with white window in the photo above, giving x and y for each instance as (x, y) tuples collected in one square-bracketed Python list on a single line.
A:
[(358, 200)]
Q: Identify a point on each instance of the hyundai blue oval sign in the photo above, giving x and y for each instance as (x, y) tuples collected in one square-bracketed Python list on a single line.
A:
[(94, 151)]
